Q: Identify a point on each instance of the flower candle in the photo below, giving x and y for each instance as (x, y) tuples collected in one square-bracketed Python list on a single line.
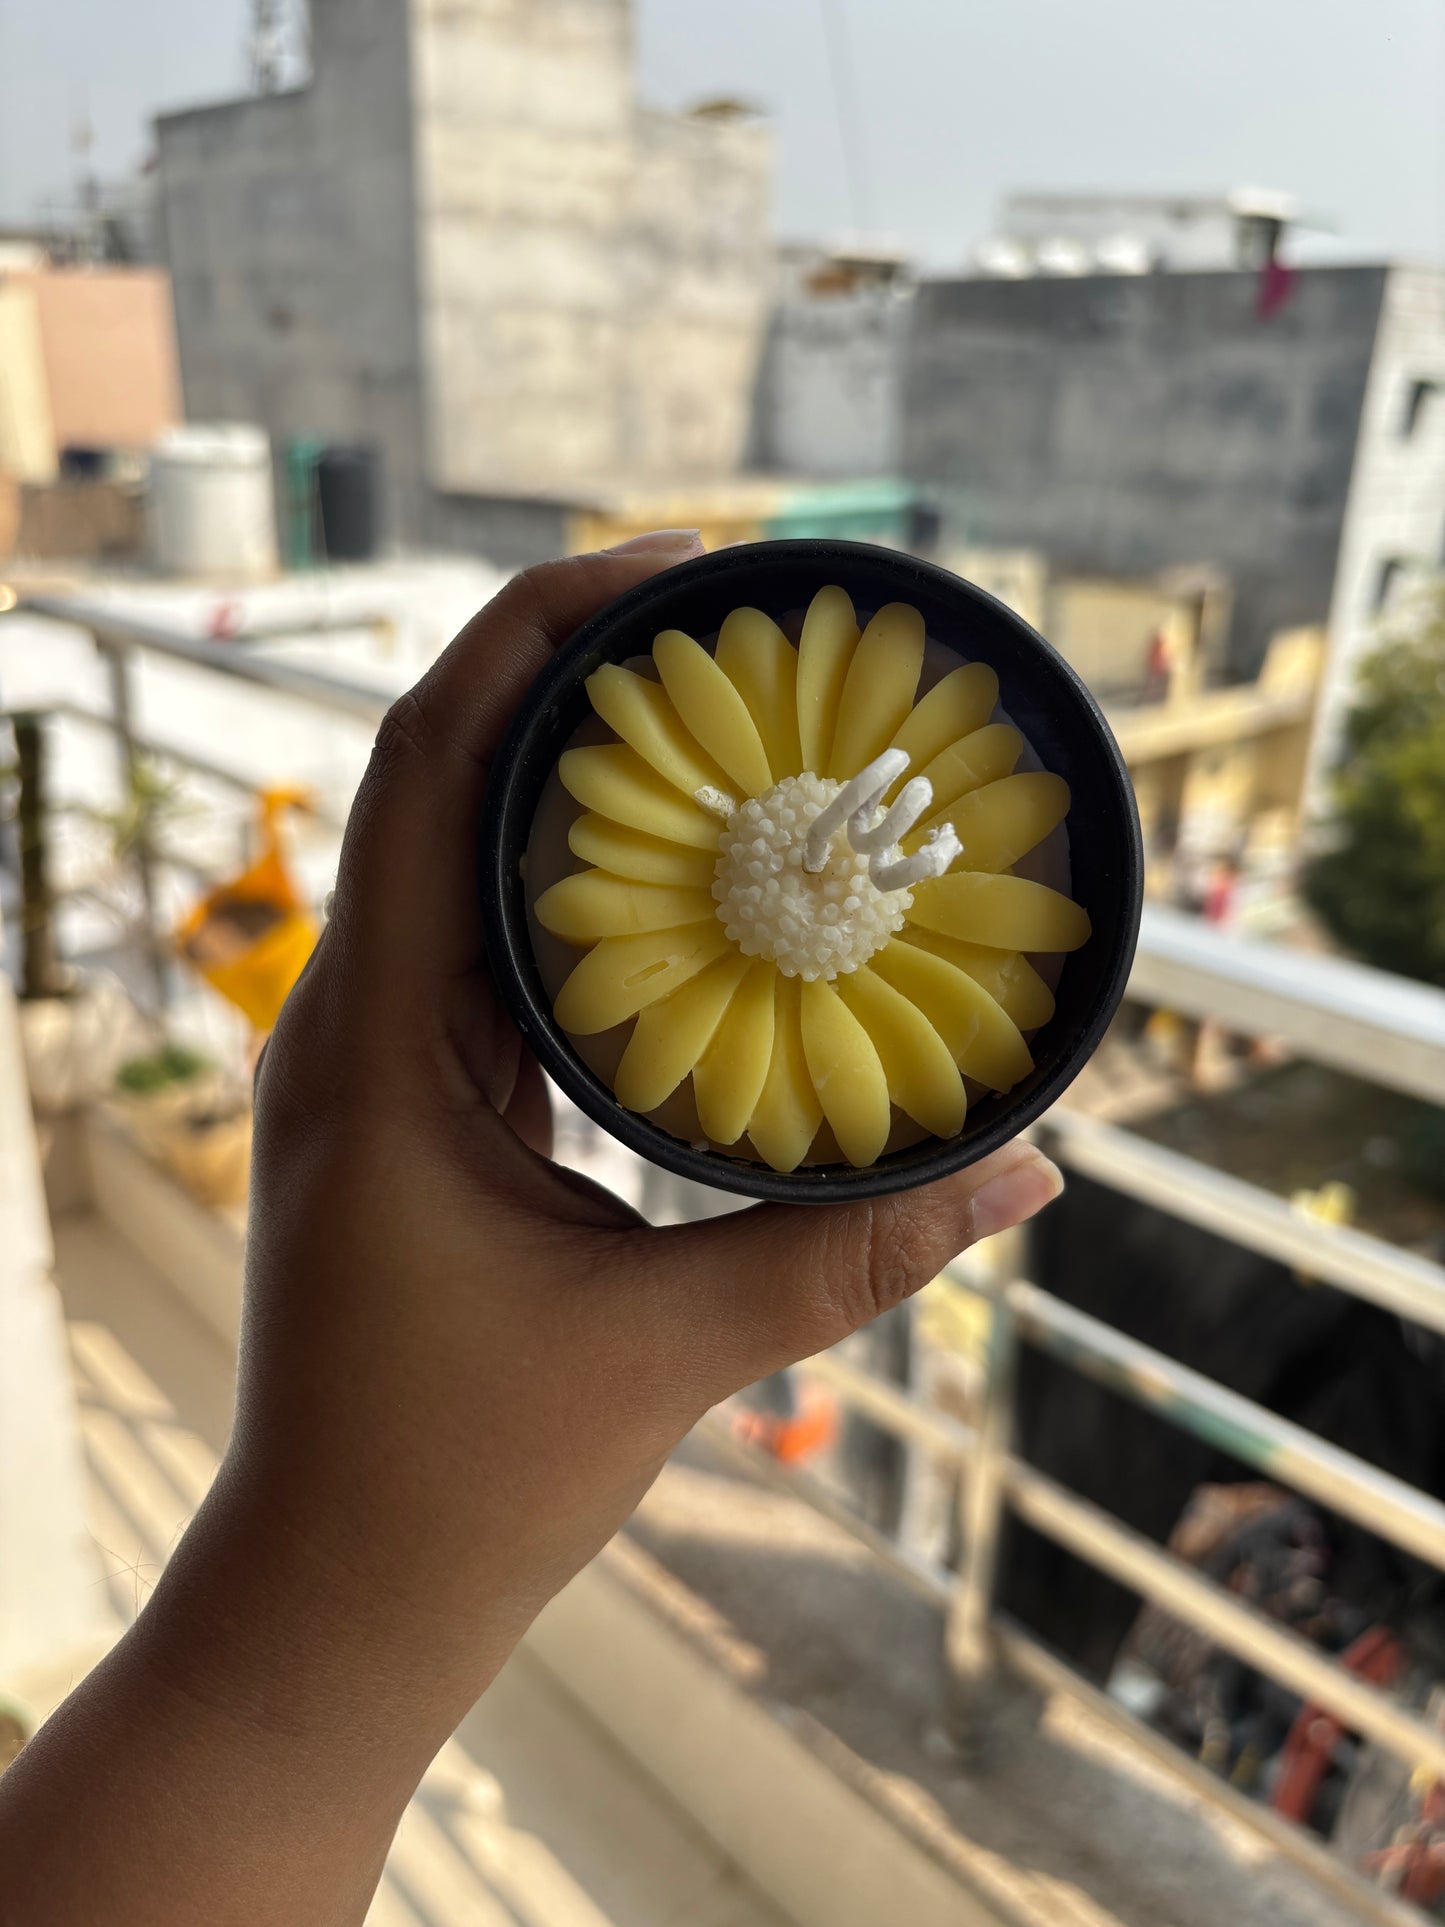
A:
[(795, 887)]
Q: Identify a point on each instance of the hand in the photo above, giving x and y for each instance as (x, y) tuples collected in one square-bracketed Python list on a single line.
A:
[(462, 1365)]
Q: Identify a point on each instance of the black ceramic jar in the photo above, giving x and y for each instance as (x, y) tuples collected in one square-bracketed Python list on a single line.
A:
[(1040, 694)]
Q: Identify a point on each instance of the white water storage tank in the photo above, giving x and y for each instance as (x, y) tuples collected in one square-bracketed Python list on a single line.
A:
[(212, 506)]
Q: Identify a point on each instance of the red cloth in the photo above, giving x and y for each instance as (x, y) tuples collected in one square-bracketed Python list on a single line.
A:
[(1275, 286)]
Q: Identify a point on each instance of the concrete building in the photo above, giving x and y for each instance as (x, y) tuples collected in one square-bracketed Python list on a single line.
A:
[(1127, 424), (1065, 233), (89, 361), (88, 380), (465, 241), (830, 392), (830, 389)]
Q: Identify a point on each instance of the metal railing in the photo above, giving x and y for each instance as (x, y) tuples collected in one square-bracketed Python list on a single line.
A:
[(120, 638), (1357, 1020), (1361, 1021)]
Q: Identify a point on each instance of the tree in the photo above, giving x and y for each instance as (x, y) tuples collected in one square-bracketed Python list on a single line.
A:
[(1380, 886)]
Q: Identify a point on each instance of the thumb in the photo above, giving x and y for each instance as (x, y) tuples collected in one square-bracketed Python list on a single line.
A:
[(781, 1282)]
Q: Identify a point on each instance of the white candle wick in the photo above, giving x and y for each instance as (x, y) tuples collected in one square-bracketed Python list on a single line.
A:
[(914, 801), (938, 851), (855, 806), (866, 789)]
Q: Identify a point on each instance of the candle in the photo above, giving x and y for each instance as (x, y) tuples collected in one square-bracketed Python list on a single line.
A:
[(797, 886)]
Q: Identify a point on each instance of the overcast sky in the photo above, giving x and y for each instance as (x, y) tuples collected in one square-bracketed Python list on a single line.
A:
[(1341, 101)]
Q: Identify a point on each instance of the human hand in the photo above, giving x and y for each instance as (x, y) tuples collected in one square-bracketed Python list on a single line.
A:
[(461, 1367)]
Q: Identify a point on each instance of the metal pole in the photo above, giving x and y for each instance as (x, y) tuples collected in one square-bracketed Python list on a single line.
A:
[(1244, 1214), (39, 966), (1047, 1674), (111, 631), (118, 664), (968, 1640), (1272, 1445), (947, 1439), (1110, 1546)]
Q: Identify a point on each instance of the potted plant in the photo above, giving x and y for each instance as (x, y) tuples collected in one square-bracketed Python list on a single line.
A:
[(182, 1112)]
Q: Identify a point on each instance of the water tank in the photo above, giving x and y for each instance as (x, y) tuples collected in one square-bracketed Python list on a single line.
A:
[(212, 505), (349, 488)]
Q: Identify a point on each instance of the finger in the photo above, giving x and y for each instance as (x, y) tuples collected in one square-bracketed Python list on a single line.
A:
[(406, 886), (780, 1282)]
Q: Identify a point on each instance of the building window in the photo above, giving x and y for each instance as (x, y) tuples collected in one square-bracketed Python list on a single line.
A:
[(1387, 578), (1417, 400)]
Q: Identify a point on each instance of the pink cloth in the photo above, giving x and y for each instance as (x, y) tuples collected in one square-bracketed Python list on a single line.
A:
[(1276, 285)]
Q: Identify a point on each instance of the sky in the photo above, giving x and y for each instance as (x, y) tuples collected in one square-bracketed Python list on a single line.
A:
[(952, 102)]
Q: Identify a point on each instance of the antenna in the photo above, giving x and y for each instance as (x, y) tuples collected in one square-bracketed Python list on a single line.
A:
[(86, 239), (846, 105)]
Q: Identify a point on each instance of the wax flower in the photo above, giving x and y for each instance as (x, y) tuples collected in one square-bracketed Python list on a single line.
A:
[(799, 886)]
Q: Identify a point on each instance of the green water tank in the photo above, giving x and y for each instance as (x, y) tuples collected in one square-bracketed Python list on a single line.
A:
[(879, 509), (302, 519)]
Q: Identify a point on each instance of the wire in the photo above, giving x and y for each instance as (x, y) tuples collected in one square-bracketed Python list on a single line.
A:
[(848, 108)]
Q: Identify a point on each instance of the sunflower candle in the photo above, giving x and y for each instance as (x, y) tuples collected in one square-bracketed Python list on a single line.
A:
[(798, 889)]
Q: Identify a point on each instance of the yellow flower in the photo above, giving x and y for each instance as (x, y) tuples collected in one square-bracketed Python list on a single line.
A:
[(800, 887)]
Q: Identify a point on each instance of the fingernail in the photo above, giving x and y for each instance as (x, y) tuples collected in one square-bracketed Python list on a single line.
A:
[(678, 542), (1015, 1194)]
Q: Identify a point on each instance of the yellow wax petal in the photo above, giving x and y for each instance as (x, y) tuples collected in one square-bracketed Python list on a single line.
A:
[(731, 1073), (981, 1037), (878, 693), (786, 1117), (952, 709), (613, 780), (670, 1036), (643, 715), (923, 1079), (713, 710), (622, 975), (830, 635), (758, 659), (1006, 913), (1005, 820), (592, 904), (985, 756), (646, 859), (1010, 979), (846, 1074)]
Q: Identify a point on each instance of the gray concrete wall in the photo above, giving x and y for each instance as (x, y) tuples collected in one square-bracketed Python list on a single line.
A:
[(1124, 424), (465, 241), (698, 259), (830, 398), (591, 275), (523, 119), (511, 531), (288, 231), (1395, 520)]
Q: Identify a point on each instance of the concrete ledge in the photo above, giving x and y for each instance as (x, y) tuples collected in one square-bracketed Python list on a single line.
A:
[(196, 1251), (807, 1820), (48, 1602)]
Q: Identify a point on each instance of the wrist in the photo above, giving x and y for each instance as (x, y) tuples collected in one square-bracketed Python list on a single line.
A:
[(261, 1625)]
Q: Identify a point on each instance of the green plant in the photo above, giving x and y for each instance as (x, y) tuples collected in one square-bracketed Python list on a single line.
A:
[(1380, 886), (172, 1064)]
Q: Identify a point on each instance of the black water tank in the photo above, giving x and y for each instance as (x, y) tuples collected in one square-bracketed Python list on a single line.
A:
[(349, 488)]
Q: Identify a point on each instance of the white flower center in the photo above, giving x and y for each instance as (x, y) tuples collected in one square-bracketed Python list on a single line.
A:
[(810, 924)]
